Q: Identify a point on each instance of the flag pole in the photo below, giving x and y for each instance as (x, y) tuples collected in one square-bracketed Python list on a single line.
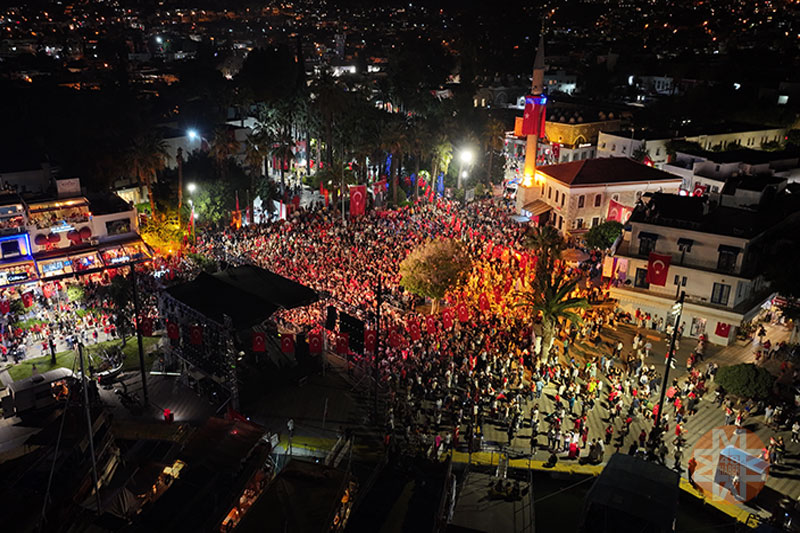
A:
[(670, 360)]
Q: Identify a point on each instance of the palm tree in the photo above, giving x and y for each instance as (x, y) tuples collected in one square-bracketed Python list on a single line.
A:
[(223, 147), (329, 101), (493, 137), (548, 245), (282, 150), (551, 301), (394, 140), (442, 155), (146, 156)]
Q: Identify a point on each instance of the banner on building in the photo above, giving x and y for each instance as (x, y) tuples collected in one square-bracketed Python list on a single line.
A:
[(658, 268), (618, 212)]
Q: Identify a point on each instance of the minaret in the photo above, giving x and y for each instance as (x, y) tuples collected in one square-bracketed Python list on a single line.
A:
[(531, 146)]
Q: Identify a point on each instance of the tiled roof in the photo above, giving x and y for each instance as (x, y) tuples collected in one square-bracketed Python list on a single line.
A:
[(604, 170)]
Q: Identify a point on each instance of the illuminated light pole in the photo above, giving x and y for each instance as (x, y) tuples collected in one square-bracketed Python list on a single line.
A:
[(465, 157)]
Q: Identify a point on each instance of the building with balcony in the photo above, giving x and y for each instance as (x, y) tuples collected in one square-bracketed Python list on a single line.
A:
[(625, 142), (707, 172), (577, 195), (717, 249), (45, 239)]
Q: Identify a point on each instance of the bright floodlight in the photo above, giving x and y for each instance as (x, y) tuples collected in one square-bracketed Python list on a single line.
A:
[(466, 156), (159, 40), (192, 134), (191, 187), (464, 174)]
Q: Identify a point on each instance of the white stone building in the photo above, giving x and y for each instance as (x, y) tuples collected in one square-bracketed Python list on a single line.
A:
[(716, 247)]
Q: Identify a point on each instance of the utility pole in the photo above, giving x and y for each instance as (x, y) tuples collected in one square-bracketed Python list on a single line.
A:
[(670, 360), (179, 159), (85, 388), (138, 314)]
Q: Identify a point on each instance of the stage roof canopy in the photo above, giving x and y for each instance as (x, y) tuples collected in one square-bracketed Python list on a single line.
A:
[(248, 294)]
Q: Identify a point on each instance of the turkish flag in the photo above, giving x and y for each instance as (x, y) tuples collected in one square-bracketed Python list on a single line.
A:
[(173, 331), (395, 339), (618, 212), (370, 340), (27, 298), (315, 342), (146, 327), (342, 344), (483, 302), (658, 268), (358, 200), (723, 329), (533, 120), (5, 307), (414, 331), (498, 294), (430, 325), (463, 312), (47, 290), (196, 335), (379, 186), (447, 318), (259, 341), (700, 190), (287, 343)]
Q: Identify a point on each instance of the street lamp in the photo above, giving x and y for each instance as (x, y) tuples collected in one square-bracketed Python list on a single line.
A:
[(191, 188), (465, 157), (677, 310), (192, 133)]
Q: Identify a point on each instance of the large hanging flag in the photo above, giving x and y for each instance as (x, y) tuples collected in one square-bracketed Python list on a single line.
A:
[(370, 340), (658, 268), (447, 318), (196, 335), (723, 329), (287, 343), (618, 212), (534, 118), (358, 200), (173, 331), (259, 341), (430, 325), (315, 342), (414, 330), (342, 343), (463, 312)]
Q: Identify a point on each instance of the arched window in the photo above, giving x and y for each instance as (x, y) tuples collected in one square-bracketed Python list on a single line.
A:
[(598, 199)]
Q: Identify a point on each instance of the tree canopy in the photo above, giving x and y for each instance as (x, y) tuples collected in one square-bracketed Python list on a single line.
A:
[(746, 380), (603, 235), (434, 267)]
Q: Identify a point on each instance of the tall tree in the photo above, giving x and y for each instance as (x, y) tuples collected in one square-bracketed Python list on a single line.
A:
[(433, 268), (551, 301), (146, 156), (493, 140), (223, 147), (548, 245)]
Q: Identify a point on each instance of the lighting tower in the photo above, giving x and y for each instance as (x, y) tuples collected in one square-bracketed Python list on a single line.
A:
[(525, 191)]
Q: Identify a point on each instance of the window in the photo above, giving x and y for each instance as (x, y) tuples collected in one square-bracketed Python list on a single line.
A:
[(658, 151), (646, 245), (623, 149), (560, 222), (581, 201), (563, 198), (641, 279), (578, 223), (726, 261), (549, 192), (598, 199), (603, 145), (720, 294), (615, 197), (556, 196), (639, 195), (595, 221), (613, 147), (10, 249), (118, 227)]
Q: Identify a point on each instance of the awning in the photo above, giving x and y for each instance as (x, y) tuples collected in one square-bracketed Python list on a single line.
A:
[(729, 249), (648, 235), (535, 208)]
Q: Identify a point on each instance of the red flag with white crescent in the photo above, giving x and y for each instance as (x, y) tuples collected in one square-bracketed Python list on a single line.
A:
[(430, 325), (483, 302), (358, 200), (196, 335), (370, 340), (658, 268), (259, 341), (414, 331), (463, 312), (287, 343), (342, 344), (315, 342), (173, 331), (447, 318)]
